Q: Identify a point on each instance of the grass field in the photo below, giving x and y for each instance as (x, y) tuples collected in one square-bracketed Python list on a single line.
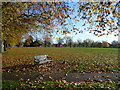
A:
[(79, 59)]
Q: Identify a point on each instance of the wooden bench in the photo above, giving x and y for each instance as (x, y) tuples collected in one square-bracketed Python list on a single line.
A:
[(42, 59)]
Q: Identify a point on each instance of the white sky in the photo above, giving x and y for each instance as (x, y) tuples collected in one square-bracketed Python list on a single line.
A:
[(86, 35)]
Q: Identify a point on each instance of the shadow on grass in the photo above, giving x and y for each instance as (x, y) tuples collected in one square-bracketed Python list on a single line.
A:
[(20, 67)]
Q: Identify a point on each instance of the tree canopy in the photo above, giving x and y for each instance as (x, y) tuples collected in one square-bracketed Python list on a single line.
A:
[(19, 18)]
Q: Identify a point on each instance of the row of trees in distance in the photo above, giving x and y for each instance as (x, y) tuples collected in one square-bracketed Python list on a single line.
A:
[(66, 42)]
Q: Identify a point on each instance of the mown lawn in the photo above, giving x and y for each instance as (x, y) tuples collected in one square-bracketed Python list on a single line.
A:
[(79, 59), (60, 85)]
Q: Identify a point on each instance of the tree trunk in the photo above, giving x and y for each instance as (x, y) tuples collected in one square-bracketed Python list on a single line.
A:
[(5, 45), (1, 48)]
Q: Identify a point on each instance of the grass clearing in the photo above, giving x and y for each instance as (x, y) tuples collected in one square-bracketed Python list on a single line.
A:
[(79, 59)]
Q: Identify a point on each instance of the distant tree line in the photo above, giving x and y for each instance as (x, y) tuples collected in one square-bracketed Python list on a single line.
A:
[(66, 42)]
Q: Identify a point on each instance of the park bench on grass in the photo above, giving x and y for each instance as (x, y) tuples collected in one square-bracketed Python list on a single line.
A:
[(42, 59)]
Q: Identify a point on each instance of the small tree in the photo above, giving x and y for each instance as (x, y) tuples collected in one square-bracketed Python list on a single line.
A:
[(69, 41), (79, 43), (95, 44), (19, 44), (114, 43), (37, 43), (75, 44), (105, 44), (47, 42), (29, 42), (87, 43), (60, 41)]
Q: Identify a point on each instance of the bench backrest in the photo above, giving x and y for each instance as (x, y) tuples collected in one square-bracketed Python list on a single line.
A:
[(42, 57)]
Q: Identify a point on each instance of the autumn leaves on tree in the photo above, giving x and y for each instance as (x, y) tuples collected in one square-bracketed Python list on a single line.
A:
[(19, 18)]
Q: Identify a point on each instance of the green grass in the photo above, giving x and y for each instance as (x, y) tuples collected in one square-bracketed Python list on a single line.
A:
[(79, 59), (57, 85), (10, 84)]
